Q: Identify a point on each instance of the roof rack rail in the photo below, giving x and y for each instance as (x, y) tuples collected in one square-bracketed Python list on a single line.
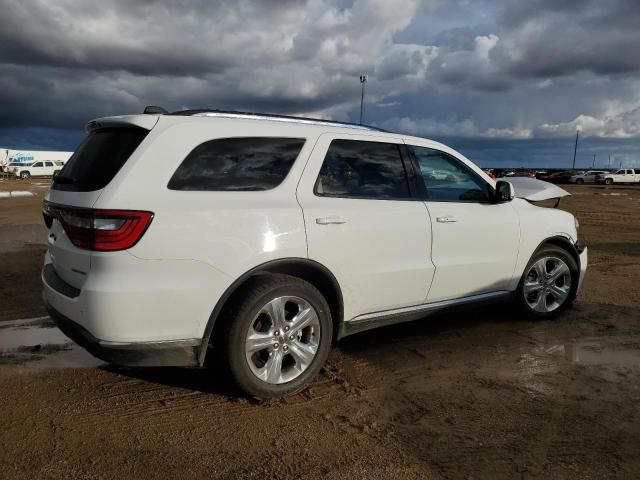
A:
[(270, 116)]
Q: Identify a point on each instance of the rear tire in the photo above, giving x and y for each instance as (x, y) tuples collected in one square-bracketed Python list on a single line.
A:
[(549, 283), (25, 175), (278, 335)]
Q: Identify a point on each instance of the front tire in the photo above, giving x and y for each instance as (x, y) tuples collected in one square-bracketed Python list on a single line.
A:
[(608, 181), (279, 335), (549, 283), (25, 175), (580, 181)]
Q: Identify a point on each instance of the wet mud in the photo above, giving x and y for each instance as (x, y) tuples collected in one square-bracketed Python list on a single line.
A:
[(482, 393)]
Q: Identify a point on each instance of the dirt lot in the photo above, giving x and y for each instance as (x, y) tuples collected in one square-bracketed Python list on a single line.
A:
[(478, 394)]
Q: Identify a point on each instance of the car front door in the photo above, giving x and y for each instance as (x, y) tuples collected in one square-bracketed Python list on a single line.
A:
[(364, 224), (475, 241), (48, 168)]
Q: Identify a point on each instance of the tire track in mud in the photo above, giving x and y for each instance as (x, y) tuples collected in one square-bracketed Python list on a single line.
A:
[(133, 400), (166, 405)]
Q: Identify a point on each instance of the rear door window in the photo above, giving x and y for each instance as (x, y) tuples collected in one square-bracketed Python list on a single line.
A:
[(237, 164), (360, 169), (98, 158)]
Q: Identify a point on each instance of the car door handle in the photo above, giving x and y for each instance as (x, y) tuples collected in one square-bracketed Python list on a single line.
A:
[(446, 220), (330, 220)]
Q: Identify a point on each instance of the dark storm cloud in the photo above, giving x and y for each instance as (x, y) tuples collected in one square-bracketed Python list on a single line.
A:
[(147, 37), (487, 68), (64, 62), (559, 37)]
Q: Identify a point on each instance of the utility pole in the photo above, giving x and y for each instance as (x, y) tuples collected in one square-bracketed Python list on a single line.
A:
[(593, 165), (363, 80), (609, 167), (575, 149)]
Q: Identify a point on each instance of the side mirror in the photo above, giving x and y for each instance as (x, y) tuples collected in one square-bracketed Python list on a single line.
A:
[(504, 192)]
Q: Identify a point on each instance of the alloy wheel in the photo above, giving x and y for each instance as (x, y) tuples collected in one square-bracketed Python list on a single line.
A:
[(282, 340), (547, 284)]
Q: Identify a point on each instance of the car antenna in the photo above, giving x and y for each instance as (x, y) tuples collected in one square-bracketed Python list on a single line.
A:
[(152, 109)]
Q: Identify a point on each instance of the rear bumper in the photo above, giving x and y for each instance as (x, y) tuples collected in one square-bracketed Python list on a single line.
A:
[(67, 308), (131, 304), (142, 354)]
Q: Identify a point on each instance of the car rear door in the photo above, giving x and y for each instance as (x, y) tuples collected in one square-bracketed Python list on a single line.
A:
[(475, 241), (364, 224), (48, 168)]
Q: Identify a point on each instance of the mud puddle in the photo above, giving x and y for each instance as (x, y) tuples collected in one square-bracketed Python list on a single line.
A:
[(39, 344), (598, 353)]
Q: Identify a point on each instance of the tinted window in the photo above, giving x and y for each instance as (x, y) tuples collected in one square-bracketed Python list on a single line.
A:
[(447, 179), (237, 164), (37, 164), (363, 169), (98, 159), (48, 164)]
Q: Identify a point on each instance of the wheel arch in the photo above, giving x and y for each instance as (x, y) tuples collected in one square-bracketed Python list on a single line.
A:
[(309, 270), (564, 243)]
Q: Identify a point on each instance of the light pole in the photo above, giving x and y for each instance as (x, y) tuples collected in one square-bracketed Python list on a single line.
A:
[(593, 165), (363, 80), (575, 148), (609, 167)]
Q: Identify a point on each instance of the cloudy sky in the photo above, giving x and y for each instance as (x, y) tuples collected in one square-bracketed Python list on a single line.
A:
[(507, 82)]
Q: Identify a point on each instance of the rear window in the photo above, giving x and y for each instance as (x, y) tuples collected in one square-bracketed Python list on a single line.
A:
[(237, 164), (98, 158)]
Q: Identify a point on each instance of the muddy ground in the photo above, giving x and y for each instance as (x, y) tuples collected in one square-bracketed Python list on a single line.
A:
[(477, 394)]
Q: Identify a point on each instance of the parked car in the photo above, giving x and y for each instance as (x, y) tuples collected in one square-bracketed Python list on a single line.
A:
[(588, 176), (38, 169), (557, 177), (518, 173), (623, 175), (262, 239)]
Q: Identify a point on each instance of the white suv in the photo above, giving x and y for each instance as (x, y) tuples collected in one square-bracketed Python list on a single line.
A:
[(46, 168), (264, 239), (586, 177)]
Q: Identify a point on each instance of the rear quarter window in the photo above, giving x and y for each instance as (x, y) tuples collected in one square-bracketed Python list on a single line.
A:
[(237, 164), (98, 158)]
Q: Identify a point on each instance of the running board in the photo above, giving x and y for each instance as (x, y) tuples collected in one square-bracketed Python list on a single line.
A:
[(408, 314)]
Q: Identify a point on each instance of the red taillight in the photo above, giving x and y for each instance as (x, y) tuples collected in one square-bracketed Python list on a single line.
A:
[(100, 230)]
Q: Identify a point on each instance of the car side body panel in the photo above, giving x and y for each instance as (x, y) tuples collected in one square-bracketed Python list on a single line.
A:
[(538, 224)]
